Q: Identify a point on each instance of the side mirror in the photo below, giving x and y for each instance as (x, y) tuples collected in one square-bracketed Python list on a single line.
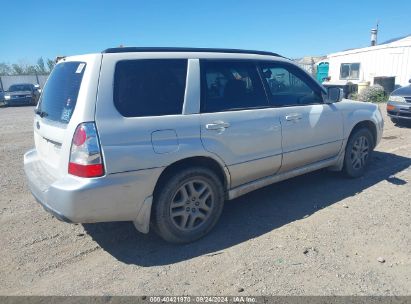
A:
[(334, 94)]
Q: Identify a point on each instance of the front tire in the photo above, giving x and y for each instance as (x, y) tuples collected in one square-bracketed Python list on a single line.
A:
[(188, 205), (358, 152)]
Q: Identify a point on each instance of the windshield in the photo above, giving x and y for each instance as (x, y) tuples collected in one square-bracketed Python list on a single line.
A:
[(20, 87), (59, 96)]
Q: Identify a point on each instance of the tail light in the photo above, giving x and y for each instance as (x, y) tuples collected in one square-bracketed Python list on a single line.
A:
[(390, 108), (85, 156)]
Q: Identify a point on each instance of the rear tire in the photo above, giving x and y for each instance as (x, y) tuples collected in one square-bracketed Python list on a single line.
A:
[(188, 205), (358, 152)]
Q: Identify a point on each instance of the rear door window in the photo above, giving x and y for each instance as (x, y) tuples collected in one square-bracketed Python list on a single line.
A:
[(150, 87), (231, 85), (59, 97)]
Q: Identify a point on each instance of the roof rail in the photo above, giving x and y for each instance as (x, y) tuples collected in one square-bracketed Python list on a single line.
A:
[(185, 49)]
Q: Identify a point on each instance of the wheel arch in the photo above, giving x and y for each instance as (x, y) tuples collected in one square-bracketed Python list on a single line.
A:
[(202, 161), (368, 124)]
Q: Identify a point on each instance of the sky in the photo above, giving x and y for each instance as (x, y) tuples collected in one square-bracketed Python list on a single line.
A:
[(30, 29)]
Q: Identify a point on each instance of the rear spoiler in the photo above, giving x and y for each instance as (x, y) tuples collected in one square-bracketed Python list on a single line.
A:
[(58, 58)]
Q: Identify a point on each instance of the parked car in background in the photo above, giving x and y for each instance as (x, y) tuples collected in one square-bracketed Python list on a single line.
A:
[(399, 104), (21, 94), (162, 137), (1, 96), (37, 88)]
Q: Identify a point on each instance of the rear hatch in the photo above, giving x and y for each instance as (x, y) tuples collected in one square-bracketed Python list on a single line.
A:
[(68, 99)]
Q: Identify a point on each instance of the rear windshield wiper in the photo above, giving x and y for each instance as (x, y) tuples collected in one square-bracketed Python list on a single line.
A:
[(41, 113)]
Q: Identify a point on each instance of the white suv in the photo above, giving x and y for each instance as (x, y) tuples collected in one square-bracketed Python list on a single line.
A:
[(163, 136)]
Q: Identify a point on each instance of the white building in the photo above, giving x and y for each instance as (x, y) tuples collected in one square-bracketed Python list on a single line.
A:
[(359, 65)]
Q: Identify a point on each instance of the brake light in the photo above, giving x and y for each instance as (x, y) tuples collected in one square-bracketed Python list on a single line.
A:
[(85, 156)]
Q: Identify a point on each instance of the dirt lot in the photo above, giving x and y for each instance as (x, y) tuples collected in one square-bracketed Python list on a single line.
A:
[(319, 234)]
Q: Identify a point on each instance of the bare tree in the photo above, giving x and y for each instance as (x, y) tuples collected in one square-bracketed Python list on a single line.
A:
[(50, 64), (24, 68), (5, 69), (18, 69), (31, 70), (41, 67)]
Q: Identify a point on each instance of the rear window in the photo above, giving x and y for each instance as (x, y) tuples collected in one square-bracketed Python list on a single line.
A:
[(150, 87), (59, 96)]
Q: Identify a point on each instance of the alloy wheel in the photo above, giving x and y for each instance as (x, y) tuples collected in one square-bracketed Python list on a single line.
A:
[(191, 205), (359, 152)]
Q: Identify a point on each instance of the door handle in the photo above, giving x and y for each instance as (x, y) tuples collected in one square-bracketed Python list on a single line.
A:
[(217, 125), (294, 116)]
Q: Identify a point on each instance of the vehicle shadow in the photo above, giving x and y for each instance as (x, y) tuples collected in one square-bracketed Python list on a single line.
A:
[(249, 216)]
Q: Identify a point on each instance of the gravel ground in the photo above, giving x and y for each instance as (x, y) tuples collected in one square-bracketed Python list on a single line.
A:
[(318, 234)]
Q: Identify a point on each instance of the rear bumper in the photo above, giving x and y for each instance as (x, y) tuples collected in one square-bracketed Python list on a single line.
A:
[(50, 210), (115, 197), (400, 110)]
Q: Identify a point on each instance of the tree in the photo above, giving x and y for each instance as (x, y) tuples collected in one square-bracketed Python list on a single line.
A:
[(17, 69), (31, 70), (50, 64), (24, 68), (41, 68), (5, 69)]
